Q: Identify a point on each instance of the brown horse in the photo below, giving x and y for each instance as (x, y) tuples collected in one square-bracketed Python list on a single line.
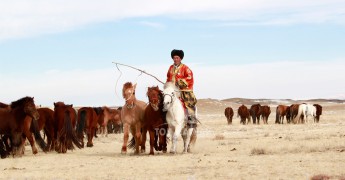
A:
[(132, 115), (294, 112), (255, 112), (229, 113), (110, 116), (265, 113), (65, 135), (244, 114), (318, 112), (87, 121), (15, 123), (288, 115), (46, 122), (155, 122), (281, 113)]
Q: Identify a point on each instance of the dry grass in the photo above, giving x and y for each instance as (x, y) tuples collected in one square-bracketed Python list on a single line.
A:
[(258, 151), (219, 137)]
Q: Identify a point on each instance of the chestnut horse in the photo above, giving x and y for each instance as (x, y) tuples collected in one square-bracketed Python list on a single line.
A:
[(243, 113), (255, 112), (229, 113), (155, 121), (132, 115), (65, 135), (46, 122), (265, 113), (15, 123), (318, 112), (87, 121), (110, 116), (281, 113)]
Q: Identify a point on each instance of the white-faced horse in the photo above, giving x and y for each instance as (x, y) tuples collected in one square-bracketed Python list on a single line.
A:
[(176, 117)]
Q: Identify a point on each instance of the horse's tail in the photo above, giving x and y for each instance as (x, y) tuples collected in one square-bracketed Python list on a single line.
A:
[(81, 124), (193, 137), (71, 136), (38, 137), (277, 116), (2, 149), (131, 143)]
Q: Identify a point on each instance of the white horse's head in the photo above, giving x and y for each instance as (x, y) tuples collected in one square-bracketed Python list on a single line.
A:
[(170, 94)]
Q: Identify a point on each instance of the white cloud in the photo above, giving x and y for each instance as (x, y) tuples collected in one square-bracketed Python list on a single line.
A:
[(295, 80), (23, 18)]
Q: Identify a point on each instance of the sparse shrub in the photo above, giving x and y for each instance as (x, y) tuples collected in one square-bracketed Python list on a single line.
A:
[(219, 137), (258, 151), (289, 138), (267, 134)]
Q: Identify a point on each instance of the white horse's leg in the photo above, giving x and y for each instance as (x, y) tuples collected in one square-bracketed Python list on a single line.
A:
[(171, 133), (177, 132)]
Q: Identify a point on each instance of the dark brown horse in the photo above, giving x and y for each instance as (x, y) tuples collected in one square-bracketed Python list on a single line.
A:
[(243, 113), (281, 113), (288, 115), (65, 135), (265, 113), (111, 117), (87, 121), (155, 121), (229, 113), (132, 115), (318, 112), (15, 123), (255, 112), (46, 122), (294, 112)]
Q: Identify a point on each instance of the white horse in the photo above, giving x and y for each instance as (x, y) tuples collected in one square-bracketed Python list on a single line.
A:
[(306, 110), (175, 117)]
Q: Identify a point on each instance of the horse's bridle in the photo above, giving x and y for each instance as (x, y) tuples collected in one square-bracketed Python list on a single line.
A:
[(172, 95), (132, 105)]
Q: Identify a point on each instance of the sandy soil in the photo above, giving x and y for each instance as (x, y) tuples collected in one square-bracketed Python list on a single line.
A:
[(222, 152)]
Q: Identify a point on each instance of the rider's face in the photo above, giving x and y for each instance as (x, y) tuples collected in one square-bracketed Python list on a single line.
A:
[(177, 60)]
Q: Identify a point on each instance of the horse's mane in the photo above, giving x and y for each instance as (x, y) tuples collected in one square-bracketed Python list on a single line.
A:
[(21, 102), (98, 110), (154, 88), (3, 105), (173, 87), (125, 87), (62, 104)]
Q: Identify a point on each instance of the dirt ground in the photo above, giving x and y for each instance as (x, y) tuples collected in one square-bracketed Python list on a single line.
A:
[(273, 151)]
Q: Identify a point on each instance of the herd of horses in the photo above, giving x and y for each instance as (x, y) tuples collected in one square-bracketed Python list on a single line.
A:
[(65, 126), (295, 113), (163, 117)]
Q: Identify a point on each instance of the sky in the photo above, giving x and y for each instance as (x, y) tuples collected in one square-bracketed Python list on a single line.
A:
[(58, 50)]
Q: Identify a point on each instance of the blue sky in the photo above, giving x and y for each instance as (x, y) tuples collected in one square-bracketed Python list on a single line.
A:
[(63, 51)]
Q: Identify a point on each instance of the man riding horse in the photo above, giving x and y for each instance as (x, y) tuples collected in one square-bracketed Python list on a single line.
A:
[(182, 76)]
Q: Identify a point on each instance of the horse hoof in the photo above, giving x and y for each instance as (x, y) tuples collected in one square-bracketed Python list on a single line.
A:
[(151, 153), (89, 145), (172, 152), (142, 151)]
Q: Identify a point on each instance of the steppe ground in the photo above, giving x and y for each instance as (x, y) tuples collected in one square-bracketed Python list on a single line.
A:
[(273, 151)]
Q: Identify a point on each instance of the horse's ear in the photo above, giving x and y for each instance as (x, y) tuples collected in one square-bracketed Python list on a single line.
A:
[(135, 86), (54, 104)]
